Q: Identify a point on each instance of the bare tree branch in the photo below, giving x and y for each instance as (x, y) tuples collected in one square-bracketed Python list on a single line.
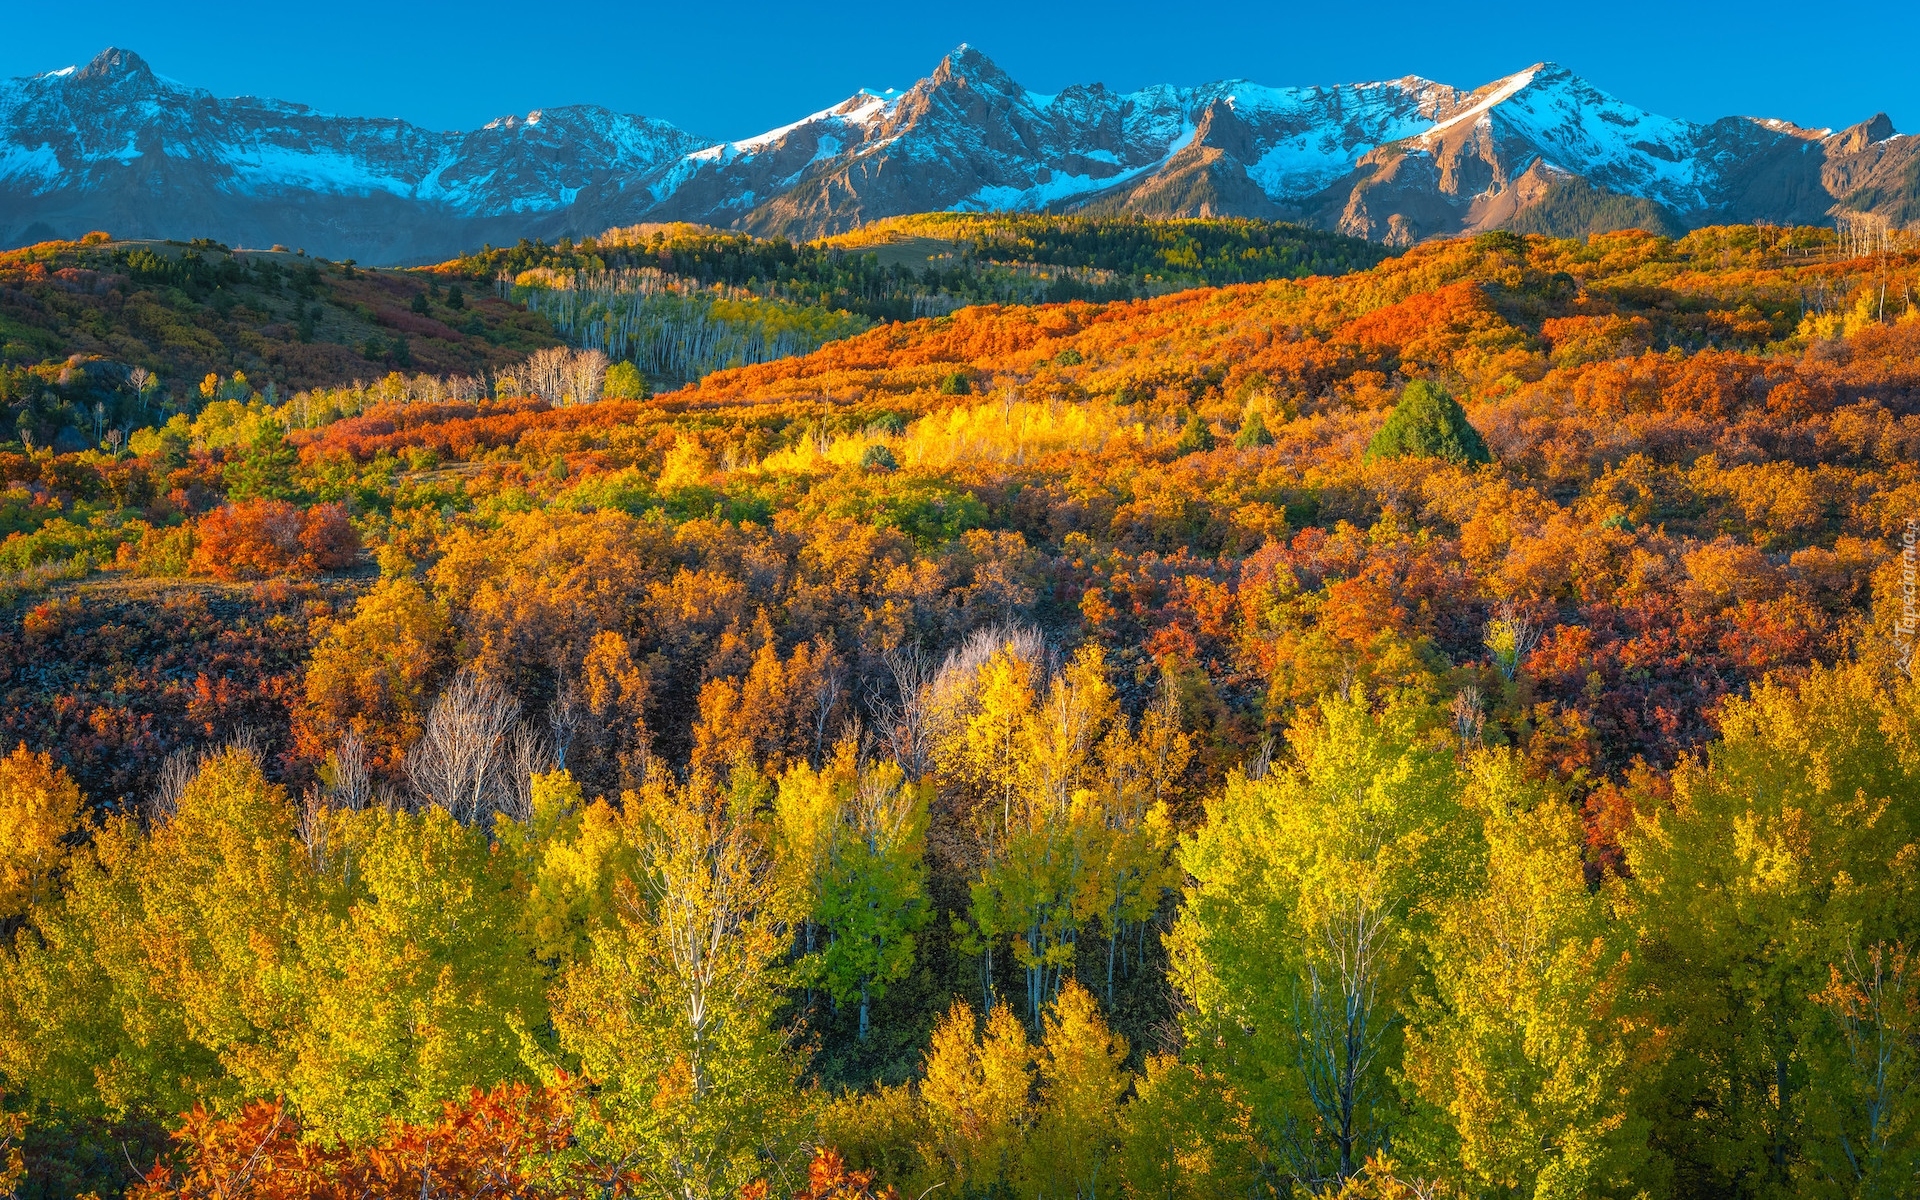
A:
[(563, 718), (527, 755), (352, 785), (458, 762)]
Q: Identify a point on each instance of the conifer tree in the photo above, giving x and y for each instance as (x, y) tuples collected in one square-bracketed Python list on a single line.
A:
[(1428, 423), (1195, 436), (1253, 433)]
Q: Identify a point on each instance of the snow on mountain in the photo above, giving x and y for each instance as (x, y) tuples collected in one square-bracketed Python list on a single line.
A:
[(1579, 129), (1320, 134), (115, 145)]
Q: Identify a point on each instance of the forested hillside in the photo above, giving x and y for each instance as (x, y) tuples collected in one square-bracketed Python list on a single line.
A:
[(102, 335), (916, 266), (99, 335), (1446, 729)]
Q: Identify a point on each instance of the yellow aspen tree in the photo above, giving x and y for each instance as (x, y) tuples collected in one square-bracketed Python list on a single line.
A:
[(1130, 843), (168, 973), (807, 810), (224, 887), (875, 900), (976, 1093), (1298, 942), (979, 711), (1072, 1149), (672, 1015), (882, 1131), (369, 672), (1045, 840), (1185, 1136), (40, 812), (571, 855), (86, 1028), (1789, 848), (423, 987), (1522, 1050), (1867, 1137)]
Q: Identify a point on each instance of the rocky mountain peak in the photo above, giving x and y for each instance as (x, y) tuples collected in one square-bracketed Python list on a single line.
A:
[(1855, 138), (967, 66), (1221, 128), (105, 148), (114, 65)]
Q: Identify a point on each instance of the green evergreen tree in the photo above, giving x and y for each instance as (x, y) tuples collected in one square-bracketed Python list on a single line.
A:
[(1253, 433), (1197, 436), (1428, 423), (266, 469)]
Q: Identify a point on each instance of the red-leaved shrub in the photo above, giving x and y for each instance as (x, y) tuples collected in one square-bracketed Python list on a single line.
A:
[(258, 539)]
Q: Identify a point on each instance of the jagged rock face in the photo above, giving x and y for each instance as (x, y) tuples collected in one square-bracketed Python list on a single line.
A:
[(115, 146), (1500, 151)]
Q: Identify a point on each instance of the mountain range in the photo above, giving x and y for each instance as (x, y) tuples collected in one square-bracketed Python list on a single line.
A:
[(115, 146)]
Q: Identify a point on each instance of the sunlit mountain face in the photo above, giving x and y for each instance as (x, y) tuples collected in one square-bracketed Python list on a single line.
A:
[(115, 145)]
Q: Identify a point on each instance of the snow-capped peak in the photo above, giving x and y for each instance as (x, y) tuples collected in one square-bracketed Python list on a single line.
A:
[(1503, 91), (88, 139)]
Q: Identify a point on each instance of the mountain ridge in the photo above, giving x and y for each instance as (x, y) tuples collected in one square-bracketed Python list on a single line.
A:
[(116, 145)]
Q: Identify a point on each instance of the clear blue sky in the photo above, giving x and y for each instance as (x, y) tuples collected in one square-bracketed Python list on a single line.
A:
[(727, 68)]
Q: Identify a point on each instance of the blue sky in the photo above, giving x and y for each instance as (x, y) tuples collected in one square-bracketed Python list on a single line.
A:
[(729, 69)]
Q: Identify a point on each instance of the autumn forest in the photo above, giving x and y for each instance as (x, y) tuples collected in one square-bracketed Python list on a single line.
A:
[(1018, 708)]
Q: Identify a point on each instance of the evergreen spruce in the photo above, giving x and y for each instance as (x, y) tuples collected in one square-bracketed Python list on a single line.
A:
[(1253, 433), (1428, 423), (1197, 436)]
